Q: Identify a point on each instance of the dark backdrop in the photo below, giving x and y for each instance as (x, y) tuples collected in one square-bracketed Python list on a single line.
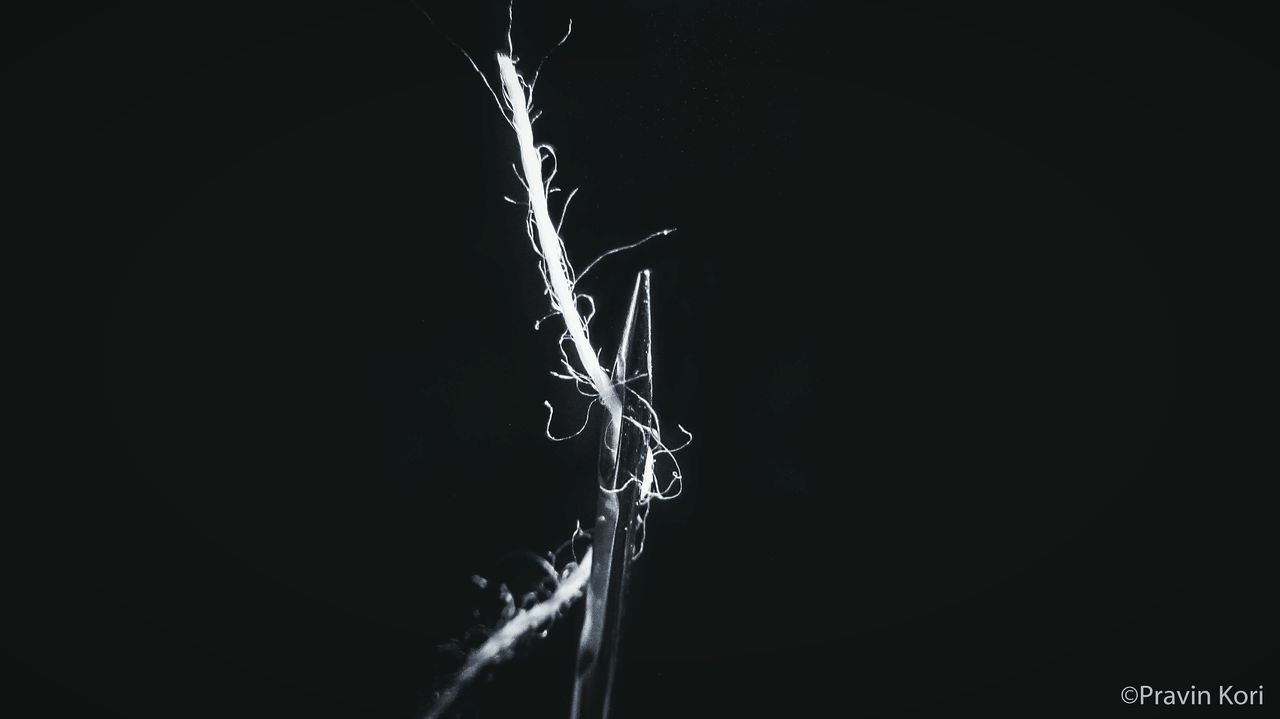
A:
[(956, 313)]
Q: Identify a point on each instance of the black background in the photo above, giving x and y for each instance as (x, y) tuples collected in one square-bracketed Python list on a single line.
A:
[(957, 312)]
